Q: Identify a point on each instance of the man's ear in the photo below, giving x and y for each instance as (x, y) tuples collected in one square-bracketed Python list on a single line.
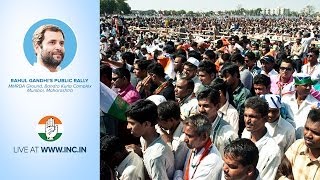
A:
[(250, 170), (36, 48)]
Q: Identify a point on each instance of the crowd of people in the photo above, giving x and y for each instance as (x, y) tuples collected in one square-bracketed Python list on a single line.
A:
[(233, 107)]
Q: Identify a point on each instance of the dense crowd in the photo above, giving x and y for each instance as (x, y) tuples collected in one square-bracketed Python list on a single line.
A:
[(236, 104)]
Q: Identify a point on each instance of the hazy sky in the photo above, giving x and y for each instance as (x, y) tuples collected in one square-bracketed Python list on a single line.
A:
[(215, 5)]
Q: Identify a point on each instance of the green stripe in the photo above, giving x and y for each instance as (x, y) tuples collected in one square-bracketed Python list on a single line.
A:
[(44, 137), (118, 109)]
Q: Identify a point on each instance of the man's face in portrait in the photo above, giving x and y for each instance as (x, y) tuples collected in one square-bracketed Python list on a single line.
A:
[(52, 49)]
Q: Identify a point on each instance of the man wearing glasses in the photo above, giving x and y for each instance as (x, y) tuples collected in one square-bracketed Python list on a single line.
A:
[(283, 83)]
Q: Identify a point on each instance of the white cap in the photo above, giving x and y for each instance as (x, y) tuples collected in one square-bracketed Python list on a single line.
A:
[(157, 99), (193, 61), (273, 100)]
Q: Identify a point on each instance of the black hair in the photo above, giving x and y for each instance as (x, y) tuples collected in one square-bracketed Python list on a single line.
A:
[(109, 145), (142, 111), (314, 115), (128, 57), (157, 69), (211, 94), (262, 79), (244, 151), (122, 72), (207, 66), (142, 64), (258, 104), (169, 109), (230, 68)]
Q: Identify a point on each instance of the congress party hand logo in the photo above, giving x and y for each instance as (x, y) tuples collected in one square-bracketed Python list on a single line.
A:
[(50, 128)]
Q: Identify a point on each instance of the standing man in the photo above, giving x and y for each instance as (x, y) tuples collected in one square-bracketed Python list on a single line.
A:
[(48, 44), (171, 127), (255, 117), (304, 154), (203, 160), (158, 158), (222, 133), (240, 160)]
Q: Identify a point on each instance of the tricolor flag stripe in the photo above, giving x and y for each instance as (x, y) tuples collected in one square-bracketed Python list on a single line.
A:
[(44, 136), (45, 119), (112, 104)]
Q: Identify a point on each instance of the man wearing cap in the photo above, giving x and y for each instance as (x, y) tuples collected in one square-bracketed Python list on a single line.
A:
[(301, 101), (278, 128), (190, 69), (267, 63)]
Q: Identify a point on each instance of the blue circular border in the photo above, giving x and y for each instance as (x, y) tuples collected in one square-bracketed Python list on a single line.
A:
[(70, 41)]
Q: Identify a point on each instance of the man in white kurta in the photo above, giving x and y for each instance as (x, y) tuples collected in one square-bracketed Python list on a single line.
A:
[(131, 167)]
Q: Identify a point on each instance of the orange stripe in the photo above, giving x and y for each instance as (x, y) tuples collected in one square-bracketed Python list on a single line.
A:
[(45, 119)]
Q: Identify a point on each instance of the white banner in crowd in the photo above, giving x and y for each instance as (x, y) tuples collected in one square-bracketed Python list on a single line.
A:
[(49, 89)]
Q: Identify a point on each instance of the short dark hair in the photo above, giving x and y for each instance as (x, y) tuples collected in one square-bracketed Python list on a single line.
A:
[(183, 58), (314, 115), (190, 82), (142, 111), (211, 94), (195, 54), (208, 67), (258, 104), (142, 64), (237, 58), (157, 69), (244, 151), (288, 60), (220, 85), (128, 57), (122, 72), (314, 51), (109, 145), (230, 68), (169, 109), (106, 71), (251, 56), (210, 53), (262, 79)]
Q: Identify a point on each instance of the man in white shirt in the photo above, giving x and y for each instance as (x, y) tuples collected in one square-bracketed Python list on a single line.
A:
[(128, 165), (255, 117), (227, 111), (240, 161), (48, 44), (300, 102), (171, 126), (222, 133), (267, 66), (203, 161), (278, 128), (157, 156)]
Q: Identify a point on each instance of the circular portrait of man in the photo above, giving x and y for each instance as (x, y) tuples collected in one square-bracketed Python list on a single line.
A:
[(50, 45)]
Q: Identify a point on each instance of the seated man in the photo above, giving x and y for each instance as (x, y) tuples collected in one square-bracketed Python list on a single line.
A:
[(240, 160), (304, 154)]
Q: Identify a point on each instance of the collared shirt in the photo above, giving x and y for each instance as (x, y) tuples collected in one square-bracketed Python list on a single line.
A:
[(240, 95), (271, 73), (269, 155), (197, 84), (230, 115), (131, 168), (314, 72), (158, 159), (280, 88), (299, 113), (282, 132), (188, 107), (209, 168), (222, 134), (129, 94), (40, 68), (302, 166), (179, 147)]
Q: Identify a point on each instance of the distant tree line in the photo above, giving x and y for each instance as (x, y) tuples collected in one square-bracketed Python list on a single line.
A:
[(114, 7)]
